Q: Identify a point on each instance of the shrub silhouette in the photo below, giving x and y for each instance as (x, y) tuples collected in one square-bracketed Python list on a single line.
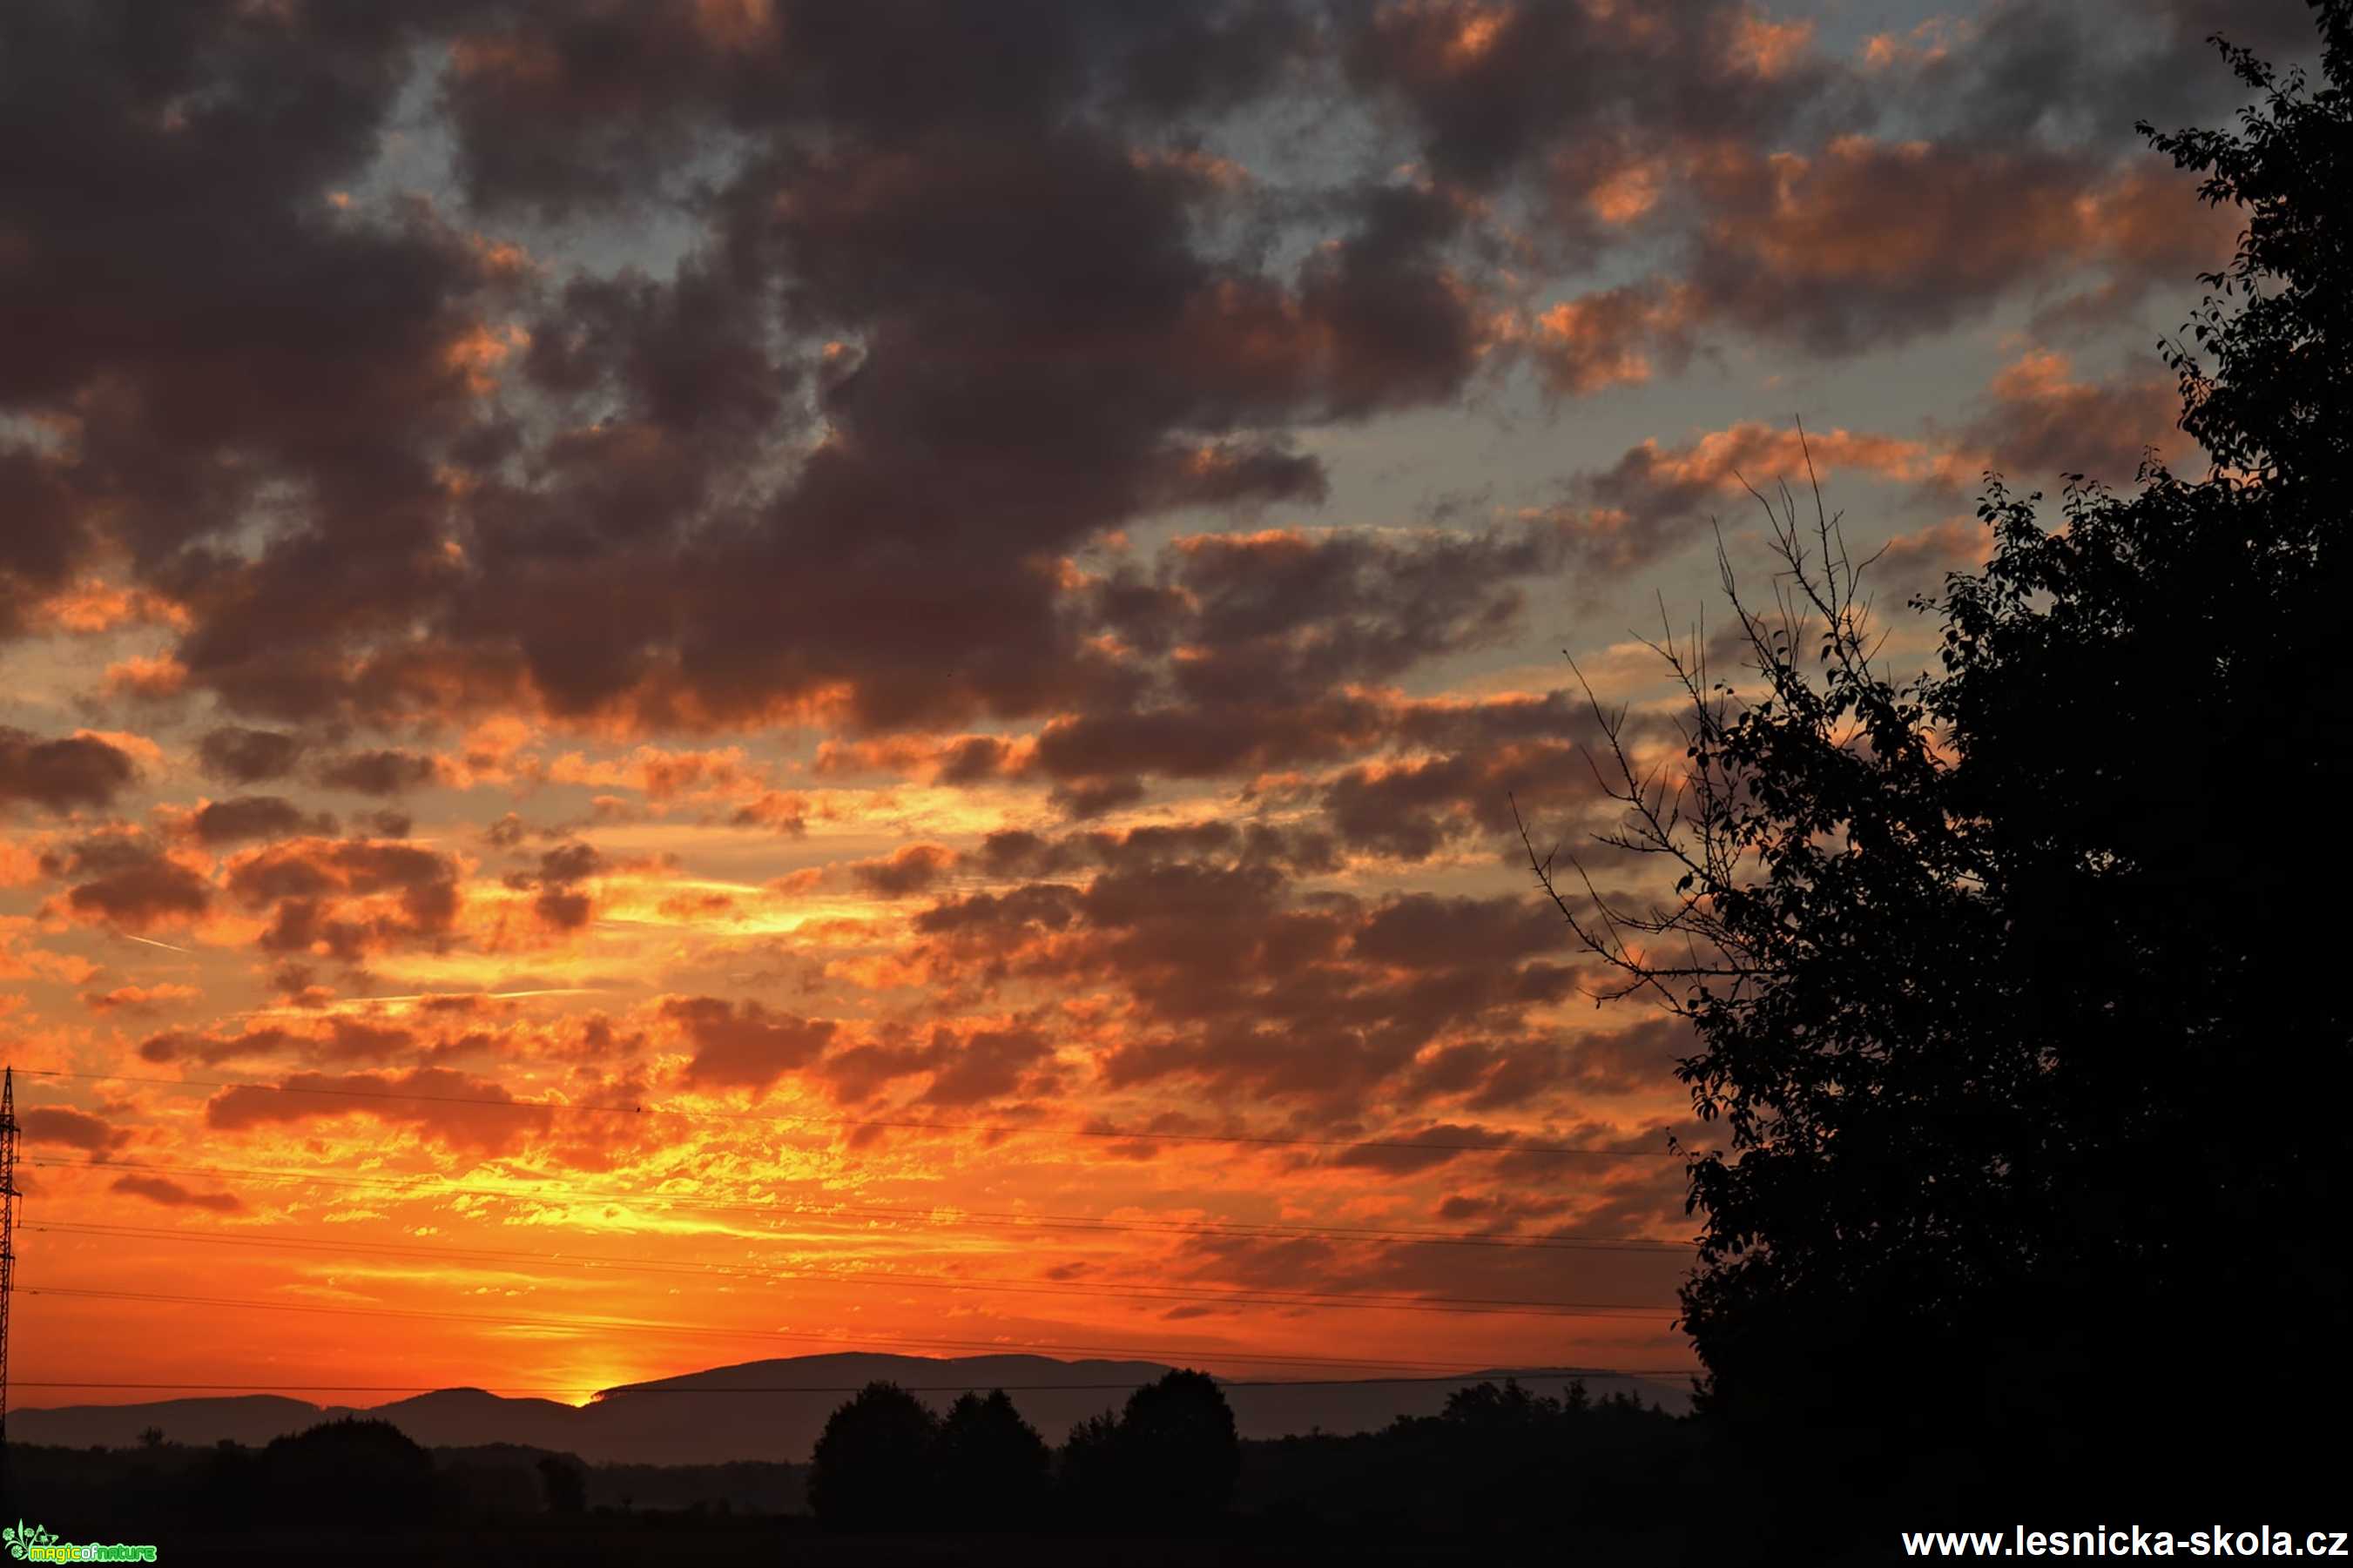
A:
[(228, 1488), (873, 1467), (991, 1466), (564, 1484), (352, 1472)]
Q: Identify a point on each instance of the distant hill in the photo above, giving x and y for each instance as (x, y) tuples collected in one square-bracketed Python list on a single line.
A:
[(248, 1419), (774, 1409)]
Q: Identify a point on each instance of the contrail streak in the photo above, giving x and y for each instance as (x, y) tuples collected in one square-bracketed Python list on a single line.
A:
[(149, 940)]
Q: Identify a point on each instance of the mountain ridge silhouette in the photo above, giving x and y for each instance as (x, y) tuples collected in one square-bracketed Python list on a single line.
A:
[(651, 1422)]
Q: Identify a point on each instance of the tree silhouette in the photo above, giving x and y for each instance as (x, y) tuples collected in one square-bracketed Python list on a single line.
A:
[(352, 1472), (991, 1463), (1178, 1448), (1167, 1461), (1999, 975), (1089, 1480), (1510, 1408), (871, 1469)]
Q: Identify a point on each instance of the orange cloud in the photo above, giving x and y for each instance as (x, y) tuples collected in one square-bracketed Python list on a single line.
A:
[(724, 775), (1767, 48), (1599, 341), (1756, 452), (19, 863), (21, 959), (94, 605), (1926, 43), (479, 352), (138, 998), (150, 676), (438, 1104), (1628, 191)]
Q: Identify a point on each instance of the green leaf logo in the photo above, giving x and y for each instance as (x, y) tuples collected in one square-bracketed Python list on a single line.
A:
[(21, 1538)]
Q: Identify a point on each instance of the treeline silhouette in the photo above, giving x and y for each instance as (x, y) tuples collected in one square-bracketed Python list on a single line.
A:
[(1166, 1463), (1609, 1480), (366, 1476), (1502, 1463)]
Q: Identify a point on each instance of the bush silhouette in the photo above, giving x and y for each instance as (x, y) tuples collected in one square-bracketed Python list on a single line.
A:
[(564, 1484), (351, 1472), (873, 1467), (991, 1465)]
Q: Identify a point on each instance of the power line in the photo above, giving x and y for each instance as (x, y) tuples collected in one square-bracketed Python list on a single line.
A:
[(1357, 1301), (1113, 1134), (932, 1216), (641, 1325)]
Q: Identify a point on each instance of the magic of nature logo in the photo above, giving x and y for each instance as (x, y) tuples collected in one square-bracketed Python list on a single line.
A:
[(33, 1543)]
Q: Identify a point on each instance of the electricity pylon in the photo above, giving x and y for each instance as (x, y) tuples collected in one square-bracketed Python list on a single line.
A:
[(7, 1248)]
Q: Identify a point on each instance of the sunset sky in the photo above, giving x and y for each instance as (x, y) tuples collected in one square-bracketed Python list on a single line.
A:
[(712, 679)]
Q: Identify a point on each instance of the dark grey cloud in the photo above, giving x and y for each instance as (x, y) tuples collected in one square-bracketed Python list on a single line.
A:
[(249, 756), (71, 1129), (1288, 614), (1235, 980), (745, 1045), (128, 880), (347, 898), (559, 899), (909, 869), (171, 1194), (1493, 89), (440, 1105), (385, 770), (967, 287), (61, 773), (952, 231), (256, 816), (964, 1070)]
